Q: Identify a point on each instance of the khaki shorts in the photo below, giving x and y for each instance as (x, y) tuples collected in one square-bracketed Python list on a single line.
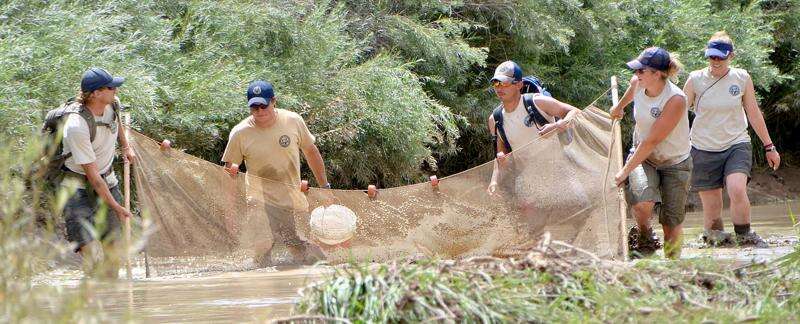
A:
[(667, 186)]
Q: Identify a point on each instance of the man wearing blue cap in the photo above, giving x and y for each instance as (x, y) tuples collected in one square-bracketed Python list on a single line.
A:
[(269, 141), (520, 119), (518, 126), (89, 164)]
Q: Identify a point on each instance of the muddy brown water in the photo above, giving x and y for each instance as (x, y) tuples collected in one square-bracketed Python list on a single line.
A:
[(269, 293), (772, 222), (251, 296)]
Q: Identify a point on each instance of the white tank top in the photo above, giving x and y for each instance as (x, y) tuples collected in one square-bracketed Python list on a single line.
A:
[(514, 125), (646, 110), (720, 121)]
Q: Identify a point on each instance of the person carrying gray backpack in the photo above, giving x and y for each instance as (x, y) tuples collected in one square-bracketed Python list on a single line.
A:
[(91, 128)]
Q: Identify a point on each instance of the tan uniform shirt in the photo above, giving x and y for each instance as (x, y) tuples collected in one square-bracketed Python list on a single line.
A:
[(720, 120), (271, 153), (646, 110)]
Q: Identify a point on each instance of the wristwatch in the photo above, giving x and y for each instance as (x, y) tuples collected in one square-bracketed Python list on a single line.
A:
[(771, 149), (327, 185)]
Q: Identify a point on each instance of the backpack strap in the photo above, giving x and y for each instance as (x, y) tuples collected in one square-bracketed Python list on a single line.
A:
[(87, 115), (497, 114), (533, 114)]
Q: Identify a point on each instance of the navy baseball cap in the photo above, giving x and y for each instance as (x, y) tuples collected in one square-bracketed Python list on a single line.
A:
[(259, 93), (507, 71), (654, 57), (718, 48), (96, 78)]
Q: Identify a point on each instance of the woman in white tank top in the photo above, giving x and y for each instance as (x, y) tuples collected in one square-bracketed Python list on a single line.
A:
[(657, 171), (723, 100)]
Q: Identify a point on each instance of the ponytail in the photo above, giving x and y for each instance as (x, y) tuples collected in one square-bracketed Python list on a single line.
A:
[(675, 66)]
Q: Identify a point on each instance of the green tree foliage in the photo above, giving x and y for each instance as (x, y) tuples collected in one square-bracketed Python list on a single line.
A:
[(394, 89), (188, 67), (782, 101), (30, 244)]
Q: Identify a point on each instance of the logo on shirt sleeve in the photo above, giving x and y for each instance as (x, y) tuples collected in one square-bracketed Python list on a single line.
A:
[(734, 90), (284, 141), (655, 112)]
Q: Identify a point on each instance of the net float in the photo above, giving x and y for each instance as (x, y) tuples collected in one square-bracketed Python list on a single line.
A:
[(434, 181), (372, 191)]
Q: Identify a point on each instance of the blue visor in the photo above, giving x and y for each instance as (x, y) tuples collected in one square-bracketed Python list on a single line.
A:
[(717, 48)]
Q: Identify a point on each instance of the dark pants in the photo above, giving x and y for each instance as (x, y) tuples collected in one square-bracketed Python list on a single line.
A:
[(88, 219), (282, 226), (281, 223)]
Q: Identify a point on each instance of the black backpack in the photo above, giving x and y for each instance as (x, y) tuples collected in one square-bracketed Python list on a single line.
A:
[(530, 86), (54, 122)]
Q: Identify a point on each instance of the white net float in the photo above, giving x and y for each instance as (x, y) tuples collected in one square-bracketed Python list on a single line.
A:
[(334, 224)]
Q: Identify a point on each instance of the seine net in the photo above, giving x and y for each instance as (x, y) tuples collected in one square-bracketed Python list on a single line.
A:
[(205, 220)]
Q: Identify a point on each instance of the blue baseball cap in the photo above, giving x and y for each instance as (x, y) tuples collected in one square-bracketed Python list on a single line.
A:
[(259, 93), (654, 57), (718, 48), (507, 71), (96, 78)]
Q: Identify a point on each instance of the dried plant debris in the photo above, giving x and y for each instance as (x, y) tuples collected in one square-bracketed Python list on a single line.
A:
[(553, 281)]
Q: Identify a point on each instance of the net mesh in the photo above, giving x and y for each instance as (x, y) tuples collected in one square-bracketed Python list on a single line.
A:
[(205, 220)]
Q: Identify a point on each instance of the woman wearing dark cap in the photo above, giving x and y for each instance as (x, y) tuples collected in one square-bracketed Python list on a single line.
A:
[(658, 169), (724, 101)]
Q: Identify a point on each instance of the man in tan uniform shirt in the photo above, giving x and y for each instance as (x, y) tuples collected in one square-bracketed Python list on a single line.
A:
[(269, 141)]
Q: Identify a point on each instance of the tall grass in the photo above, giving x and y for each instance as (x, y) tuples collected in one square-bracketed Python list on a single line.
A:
[(29, 243)]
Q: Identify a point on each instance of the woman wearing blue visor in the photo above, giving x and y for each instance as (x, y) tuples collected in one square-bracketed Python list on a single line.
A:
[(724, 101)]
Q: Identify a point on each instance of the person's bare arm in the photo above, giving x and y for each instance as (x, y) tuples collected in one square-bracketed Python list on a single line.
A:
[(315, 162), (756, 118), (127, 151), (99, 185), (670, 116), (556, 108), (688, 89), (500, 147), (619, 110)]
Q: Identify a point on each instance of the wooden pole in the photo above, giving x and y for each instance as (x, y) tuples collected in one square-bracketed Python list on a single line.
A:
[(126, 174), (623, 206)]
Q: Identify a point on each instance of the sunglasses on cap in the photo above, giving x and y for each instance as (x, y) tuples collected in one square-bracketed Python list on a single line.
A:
[(259, 106), (500, 84)]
